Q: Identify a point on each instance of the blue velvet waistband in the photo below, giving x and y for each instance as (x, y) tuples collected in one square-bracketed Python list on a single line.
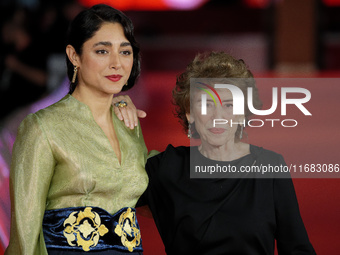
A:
[(92, 228)]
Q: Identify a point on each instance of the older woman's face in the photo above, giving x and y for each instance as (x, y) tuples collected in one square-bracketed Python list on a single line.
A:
[(218, 134), (106, 60)]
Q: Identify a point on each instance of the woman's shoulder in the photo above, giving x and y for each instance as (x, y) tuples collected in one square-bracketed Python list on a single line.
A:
[(169, 163), (51, 115), (170, 154), (263, 154), (60, 106), (172, 151), (65, 109), (179, 149)]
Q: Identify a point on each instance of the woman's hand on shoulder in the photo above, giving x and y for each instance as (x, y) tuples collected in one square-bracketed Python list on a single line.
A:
[(127, 112)]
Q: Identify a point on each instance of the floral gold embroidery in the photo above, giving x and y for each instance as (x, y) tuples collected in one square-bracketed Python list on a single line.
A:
[(127, 229), (85, 229)]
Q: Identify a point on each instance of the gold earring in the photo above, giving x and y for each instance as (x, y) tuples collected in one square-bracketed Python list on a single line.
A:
[(75, 71)]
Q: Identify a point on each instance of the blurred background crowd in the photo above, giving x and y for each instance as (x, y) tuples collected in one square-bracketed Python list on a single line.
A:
[(276, 38), (32, 42)]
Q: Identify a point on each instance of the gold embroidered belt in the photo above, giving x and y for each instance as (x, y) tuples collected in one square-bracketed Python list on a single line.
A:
[(92, 228)]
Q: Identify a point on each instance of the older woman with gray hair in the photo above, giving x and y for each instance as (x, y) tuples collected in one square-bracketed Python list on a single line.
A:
[(238, 214)]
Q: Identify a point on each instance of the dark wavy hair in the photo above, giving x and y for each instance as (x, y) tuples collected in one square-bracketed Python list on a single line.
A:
[(87, 23), (212, 65)]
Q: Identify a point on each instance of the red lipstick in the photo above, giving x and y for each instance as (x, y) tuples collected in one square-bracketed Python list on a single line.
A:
[(217, 130), (114, 78)]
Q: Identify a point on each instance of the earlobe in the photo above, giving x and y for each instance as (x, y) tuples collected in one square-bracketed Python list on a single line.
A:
[(72, 55), (190, 118), (242, 118)]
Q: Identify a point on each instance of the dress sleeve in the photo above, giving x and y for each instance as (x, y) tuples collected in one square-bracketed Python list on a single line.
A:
[(31, 172), (152, 164), (140, 140), (291, 235)]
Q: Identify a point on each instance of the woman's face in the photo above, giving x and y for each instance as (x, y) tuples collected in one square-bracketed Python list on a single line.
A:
[(106, 60), (215, 134)]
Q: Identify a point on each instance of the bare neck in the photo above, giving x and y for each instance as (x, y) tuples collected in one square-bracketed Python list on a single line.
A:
[(226, 152)]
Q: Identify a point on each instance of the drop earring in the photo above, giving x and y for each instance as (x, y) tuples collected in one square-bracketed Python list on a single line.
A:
[(189, 131), (241, 133), (75, 71)]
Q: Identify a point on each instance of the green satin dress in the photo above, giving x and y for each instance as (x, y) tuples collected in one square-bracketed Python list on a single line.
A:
[(62, 158)]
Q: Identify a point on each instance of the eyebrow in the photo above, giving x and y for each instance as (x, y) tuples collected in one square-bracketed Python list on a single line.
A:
[(210, 100), (125, 44), (106, 43)]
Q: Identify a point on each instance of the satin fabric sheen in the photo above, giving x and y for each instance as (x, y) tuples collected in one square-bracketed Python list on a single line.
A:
[(62, 158), (53, 227)]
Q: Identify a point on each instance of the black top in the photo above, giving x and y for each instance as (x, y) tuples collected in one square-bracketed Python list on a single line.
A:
[(223, 216)]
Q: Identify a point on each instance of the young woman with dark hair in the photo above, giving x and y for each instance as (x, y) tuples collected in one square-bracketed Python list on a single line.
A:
[(77, 171)]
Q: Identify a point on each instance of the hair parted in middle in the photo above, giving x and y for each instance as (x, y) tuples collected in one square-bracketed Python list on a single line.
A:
[(87, 23), (212, 65)]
